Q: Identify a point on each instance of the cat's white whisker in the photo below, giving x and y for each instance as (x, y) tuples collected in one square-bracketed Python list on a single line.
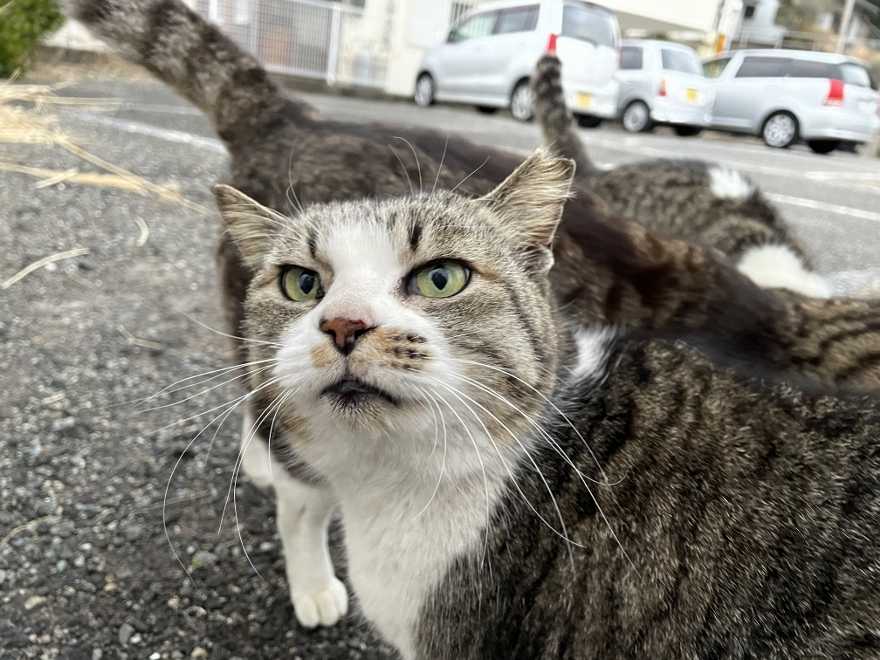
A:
[(462, 182), (473, 440), (436, 437), (416, 157), (229, 336), (556, 408), (405, 171), (440, 167), (564, 533), (238, 377)]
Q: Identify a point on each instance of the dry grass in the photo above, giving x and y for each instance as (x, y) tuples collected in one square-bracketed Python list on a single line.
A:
[(26, 118)]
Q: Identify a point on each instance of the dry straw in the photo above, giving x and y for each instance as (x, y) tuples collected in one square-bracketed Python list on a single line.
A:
[(25, 118)]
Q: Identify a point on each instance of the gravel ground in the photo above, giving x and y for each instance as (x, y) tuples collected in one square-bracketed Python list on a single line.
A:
[(86, 570)]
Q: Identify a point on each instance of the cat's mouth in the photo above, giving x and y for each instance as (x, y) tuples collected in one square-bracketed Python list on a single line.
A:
[(351, 392)]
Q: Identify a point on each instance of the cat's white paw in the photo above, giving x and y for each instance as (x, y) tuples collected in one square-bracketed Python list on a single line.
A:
[(324, 607)]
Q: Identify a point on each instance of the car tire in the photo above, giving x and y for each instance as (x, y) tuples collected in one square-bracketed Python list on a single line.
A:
[(424, 94), (589, 121), (823, 146), (522, 102), (486, 109), (636, 118), (780, 130), (687, 131)]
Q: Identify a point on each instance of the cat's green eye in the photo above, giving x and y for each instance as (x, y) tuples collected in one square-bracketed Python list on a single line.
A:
[(300, 284), (440, 279)]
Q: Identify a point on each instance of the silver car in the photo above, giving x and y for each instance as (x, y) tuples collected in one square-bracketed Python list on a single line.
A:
[(662, 83), (825, 99), (491, 53)]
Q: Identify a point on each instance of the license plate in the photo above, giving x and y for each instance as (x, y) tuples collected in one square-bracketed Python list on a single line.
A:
[(693, 96), (584, 100)]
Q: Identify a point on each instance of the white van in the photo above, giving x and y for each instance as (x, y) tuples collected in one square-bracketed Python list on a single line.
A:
[(491, 53)]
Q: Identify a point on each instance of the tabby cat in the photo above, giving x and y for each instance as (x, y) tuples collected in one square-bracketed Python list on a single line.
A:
[(498, 504), (265, 132), (688, 199)]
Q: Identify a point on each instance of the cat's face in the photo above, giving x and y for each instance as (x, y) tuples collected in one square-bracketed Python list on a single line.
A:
[(392, 315)]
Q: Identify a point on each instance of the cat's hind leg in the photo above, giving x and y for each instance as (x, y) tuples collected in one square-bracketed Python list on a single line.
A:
[(303, 513)]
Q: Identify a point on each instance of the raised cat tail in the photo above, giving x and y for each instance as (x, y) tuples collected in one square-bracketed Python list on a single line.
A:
[(553, 115), (191, 55)]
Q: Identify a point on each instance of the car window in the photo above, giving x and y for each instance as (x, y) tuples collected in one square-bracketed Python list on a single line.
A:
[(518, 19), (680, 60), (811, 69), (480, 25), (631, 58), (714, 68), (589, 24), (856, 74), (762, 67)]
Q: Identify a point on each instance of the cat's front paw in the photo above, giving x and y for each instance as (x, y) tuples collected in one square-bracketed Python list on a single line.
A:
[(323, 607)]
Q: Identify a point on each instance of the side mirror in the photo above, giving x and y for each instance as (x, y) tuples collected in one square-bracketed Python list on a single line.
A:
[(453, 36)]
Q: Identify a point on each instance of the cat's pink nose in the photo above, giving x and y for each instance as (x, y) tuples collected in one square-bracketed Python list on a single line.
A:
[(344, 332)]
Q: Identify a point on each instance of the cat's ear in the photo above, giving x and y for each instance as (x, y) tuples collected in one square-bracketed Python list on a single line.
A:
[(531, 200), (248, 222)]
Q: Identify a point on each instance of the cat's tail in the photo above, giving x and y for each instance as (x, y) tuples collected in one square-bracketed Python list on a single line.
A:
[(553, 115), (191, 55)]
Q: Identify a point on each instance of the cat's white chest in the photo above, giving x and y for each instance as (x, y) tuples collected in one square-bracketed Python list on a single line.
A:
[(397, 556)]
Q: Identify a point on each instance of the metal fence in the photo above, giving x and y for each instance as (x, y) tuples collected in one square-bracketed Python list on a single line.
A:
[(311, 38)]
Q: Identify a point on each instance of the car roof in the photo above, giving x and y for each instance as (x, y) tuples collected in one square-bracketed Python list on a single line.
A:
[(656, 42), (509, 4), (815, 55)]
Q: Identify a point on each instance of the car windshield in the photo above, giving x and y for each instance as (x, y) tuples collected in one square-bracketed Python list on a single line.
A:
[(589, 24), (856, 74), (680, 60)]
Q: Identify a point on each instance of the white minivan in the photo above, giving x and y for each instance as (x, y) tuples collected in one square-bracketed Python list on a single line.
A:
[(489, 56)]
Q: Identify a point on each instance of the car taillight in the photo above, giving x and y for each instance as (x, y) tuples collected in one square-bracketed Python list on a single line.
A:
[(662, 90), (835, 93), (551, 44)]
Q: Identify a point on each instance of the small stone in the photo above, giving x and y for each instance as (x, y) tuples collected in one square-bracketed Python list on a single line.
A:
[(2, 576), (155, 656), (136, 638), (132, 532), (203, 558), (125, 633), (97, 654), (199, 652), (34, 601), (174, 602), (60, 565), (63, 424)]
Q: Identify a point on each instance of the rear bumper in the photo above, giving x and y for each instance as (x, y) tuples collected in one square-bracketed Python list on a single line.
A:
[(598, 101), (673, 112), (831, 124)]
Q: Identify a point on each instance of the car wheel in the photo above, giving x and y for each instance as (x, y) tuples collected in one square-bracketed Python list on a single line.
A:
[(823, 146), (522, 102), (424, 95), (637, 117), (687, 131), (780, 131), (589, 121), (486, 109)]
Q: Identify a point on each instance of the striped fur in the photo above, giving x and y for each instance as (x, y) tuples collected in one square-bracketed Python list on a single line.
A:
[(744, 511), (686, 199)]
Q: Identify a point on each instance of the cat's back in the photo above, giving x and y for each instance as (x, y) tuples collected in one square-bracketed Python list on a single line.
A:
[(742, 521)]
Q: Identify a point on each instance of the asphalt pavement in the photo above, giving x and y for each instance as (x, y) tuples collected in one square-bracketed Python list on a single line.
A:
[(92, 451)]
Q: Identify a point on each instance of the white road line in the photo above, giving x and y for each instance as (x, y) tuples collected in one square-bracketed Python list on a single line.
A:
[(837, 209), (167, 134), (840, 179), (181, 137)]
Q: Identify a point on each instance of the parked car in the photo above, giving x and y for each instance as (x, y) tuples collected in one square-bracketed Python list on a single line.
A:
[(662, 83), (491, 53), (827, 100)]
